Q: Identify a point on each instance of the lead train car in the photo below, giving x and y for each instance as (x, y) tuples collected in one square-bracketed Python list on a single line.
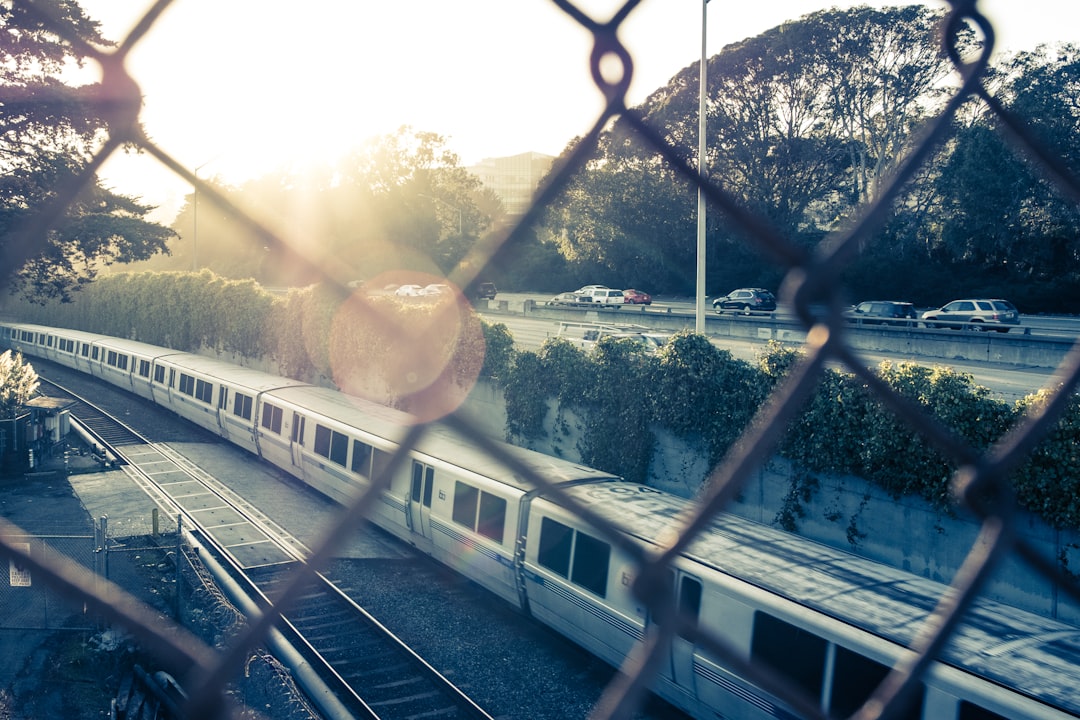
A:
[(829, 622)]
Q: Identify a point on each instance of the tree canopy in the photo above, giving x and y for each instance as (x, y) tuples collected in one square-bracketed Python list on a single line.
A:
[(400, 201), (18, 382), (48, 130), (803, 123)]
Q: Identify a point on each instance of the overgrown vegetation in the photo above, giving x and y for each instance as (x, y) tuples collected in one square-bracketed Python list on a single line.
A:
[(704, 396), (619, 395)]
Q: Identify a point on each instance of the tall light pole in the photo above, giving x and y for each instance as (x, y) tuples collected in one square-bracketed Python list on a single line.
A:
[(699, 305)]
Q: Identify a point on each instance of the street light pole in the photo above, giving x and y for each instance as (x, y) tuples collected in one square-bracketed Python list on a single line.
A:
[(699, 305)]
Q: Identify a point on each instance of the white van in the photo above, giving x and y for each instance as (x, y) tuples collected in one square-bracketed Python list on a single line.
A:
[(602, 296)]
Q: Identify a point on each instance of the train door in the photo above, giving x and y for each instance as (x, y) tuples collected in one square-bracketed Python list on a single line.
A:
[(680, 669), (423, 481), (223, 410), (297, 443)]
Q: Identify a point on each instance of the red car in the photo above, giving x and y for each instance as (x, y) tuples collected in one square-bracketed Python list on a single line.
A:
[(636, 297)]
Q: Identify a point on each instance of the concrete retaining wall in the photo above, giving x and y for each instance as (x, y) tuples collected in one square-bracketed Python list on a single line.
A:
[(843, 512)]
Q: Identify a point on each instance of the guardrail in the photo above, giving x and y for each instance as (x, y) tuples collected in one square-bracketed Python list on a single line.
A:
[(1016, 347)]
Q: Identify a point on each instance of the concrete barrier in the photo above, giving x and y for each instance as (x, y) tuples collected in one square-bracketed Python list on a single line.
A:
[(1017, 347)]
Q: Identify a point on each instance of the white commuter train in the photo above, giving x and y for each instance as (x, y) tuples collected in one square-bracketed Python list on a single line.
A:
[(825, 620)]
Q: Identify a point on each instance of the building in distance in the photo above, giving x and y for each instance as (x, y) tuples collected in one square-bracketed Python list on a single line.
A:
[(514, 179)]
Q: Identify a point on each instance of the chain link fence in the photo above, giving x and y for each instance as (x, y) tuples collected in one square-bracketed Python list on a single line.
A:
[(28, 602), (811, 281)]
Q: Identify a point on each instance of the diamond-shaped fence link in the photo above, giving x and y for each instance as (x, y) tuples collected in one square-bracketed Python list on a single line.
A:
[(810, 279)]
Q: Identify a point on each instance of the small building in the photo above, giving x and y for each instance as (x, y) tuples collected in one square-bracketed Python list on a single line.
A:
[(34, 435)]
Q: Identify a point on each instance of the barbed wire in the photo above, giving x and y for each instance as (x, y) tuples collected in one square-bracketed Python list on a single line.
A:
[(811, 279)]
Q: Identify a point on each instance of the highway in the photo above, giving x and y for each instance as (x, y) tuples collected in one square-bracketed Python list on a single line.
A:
[(1006, 382)]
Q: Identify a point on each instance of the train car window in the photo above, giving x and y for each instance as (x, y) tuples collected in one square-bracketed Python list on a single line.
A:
[(380, 459), (417, 480), (187, 384), (339, 448), (94, 354), (361, 457), (144, 368), (553, 552), (793, 652), (110, 359), (331, 444), (85, 350), (475, 509), (159, 374), (429, 473), (298, 425), (591, 560), (223, 397), (855, 678), (322, 441), (466, 498), (242, 405), (271, 418), (172, 377), (48, 340), (122, 362), (492, 518), (971, 711), (204, 391), (689, 601)]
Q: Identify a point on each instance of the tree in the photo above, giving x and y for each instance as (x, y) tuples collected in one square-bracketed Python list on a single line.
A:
[(48, 130), (18, 383), (400, 201), (803, 121), (999, 213)]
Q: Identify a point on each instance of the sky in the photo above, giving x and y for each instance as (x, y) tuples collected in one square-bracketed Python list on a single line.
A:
[(241, 88)]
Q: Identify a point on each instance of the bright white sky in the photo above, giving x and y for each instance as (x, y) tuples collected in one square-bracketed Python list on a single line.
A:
[(242, 87)]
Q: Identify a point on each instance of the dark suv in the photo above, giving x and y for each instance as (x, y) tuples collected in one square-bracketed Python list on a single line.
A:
[(486, 291), (746, 300), (890, 312)]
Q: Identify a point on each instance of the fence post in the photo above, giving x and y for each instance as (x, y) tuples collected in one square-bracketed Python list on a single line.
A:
[(104, 522), (179, 558)]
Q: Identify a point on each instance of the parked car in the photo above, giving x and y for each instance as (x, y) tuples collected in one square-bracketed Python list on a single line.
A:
[(566, 298), (608, 297), (877, 312), (974, 315), (436, 289), (746, 300), (637, 297), (587, 288)]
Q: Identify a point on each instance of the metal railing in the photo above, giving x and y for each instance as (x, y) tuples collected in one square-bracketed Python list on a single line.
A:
[(810, 279)]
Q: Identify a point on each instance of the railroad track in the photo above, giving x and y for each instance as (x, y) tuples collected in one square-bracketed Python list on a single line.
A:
[(371, 672)]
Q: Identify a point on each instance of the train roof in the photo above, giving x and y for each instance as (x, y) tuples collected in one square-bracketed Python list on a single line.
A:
[(108, 341), (1035, 655), (438, 441), (236, 376)]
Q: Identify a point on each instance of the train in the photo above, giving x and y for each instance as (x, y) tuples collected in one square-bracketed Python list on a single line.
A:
[(821, 619)]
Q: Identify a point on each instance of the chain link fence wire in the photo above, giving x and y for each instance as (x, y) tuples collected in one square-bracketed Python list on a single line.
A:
[(811, 279)]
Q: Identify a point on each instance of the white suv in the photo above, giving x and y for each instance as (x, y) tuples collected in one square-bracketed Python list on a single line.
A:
[(602, 296), (974, 315)]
